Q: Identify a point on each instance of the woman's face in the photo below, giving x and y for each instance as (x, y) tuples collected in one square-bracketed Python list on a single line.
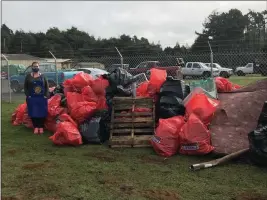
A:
[(35, 67)]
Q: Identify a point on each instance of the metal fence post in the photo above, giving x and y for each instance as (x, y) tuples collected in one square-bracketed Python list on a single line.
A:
[(8, 77), (120, 57), (56, 66), (211, 60)]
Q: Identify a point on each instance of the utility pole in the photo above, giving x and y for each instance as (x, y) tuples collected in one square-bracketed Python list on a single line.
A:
[(20, 46), (4, 44)]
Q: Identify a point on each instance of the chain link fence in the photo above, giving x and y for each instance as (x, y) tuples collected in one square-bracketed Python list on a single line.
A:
[(237, 61)]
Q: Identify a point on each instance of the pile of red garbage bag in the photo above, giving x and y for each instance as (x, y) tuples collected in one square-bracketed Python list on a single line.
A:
[(84, 95), (189, 134)]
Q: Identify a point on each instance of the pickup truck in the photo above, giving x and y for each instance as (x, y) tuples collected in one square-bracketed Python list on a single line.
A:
[(223, 71), (17, 81), (144, 67), (258, 67), (198, 69)]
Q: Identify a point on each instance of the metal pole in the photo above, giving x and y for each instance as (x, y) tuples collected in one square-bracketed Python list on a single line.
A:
[(8, 74), (120, 56), (211, 60), (56, 66)]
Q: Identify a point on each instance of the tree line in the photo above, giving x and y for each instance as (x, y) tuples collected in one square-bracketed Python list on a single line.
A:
[(225, 31)]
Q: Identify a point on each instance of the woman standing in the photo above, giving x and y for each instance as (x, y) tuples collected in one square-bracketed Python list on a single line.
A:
[(36, 90)]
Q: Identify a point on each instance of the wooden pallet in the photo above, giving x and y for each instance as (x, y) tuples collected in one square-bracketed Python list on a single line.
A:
[(128, 128)]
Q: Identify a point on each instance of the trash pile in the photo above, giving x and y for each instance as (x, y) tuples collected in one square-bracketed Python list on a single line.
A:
[(189, 121)]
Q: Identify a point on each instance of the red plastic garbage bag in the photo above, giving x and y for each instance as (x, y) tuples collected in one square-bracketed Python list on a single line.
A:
[(82, 111), (195, 138), (66, 134), (89, 94), (66, 118), (82, 80), (101, 103), (68, 86), (73, 98), (17, 116), (27, 121), (203, 106), (157, 78), (141, 91), (224, 85), (54, 107), (99, 86), (166, 139), (50, 124)]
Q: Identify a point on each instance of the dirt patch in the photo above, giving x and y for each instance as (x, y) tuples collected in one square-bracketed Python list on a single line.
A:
[(12, 152), (153, 160), (9, 198), (160, 195), (250, 196), (127, 189), (108, 180), (30, 166), (103, 157)]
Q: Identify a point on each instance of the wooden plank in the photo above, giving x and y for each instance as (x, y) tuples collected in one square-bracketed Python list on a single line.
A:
[(127, 141), (138, 130), (130, 100), (135, 120), (122, 106), (129, 125), (136, 114)]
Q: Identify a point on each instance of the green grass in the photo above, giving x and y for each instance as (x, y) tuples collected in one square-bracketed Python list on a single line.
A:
[(34, 169)]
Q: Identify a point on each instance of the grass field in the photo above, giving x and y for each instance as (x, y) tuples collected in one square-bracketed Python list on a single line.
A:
[(34, 169)]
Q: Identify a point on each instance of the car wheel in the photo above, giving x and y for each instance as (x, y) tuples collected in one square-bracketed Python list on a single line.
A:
[(224, 74), (240, 73), (51, 84), (206, 74), (15, 87)]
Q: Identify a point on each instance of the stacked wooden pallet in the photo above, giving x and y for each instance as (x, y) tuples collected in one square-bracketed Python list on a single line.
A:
[(132, 125)]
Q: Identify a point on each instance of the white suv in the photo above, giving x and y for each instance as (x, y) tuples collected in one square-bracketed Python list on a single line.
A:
[(223, 71), (196, 69)]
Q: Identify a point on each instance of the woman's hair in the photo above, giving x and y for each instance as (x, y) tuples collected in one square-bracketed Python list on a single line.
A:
[(35, 63)]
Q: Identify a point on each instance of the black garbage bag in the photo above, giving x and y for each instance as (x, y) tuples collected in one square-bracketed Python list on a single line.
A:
[(90, 131), (258, 146), (170, 106), (96, 130), (258, 139), (120, 77), (263, 116)]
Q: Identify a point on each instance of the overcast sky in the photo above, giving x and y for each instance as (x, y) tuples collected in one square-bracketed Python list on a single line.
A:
[(165, 21)]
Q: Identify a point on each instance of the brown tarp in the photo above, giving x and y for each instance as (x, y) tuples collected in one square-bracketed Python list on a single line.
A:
[(236, 116)]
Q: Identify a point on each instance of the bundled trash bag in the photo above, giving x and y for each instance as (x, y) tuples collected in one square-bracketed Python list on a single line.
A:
[(67, 132), (17, 116), (224, 85), (195, 138), (157, 78), (99, 86), (120, 77), (73, 98), (82, 80), (170, 106), (166, 139), (89, 130), (258, 145), (89, 94), (258, 140), (141, 91), (82, 111), (202, 106), (27, 121), (54, 107), (101, 103)]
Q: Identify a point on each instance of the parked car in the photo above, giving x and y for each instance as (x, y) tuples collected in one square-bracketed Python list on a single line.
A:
[(223, 71), (242, 71), (14, 69), (114, 66), (144, 67), (49, 70), (198, 69), (4, 75), (93, 71)]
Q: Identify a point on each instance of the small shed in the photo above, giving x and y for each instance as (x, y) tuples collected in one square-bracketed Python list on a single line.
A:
[(20, 59)]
